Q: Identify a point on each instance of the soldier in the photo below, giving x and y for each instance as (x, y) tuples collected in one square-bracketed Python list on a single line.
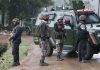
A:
[(44, 34), (16, 40), (59, 29), (83, 37)]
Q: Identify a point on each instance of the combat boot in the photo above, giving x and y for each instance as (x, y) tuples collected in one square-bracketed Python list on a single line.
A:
[(59, 58), (15, 64), (85, 61), (43, 63)]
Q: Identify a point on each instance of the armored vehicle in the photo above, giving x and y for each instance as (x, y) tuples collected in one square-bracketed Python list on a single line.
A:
[(70, 43)]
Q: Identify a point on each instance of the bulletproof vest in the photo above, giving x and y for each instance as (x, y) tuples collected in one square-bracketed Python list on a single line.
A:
[(59, 30), (83, 33), (43, 30), (82, 26), (58, 27)]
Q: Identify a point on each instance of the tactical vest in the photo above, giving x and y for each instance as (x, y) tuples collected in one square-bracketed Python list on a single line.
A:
[(43, 30)]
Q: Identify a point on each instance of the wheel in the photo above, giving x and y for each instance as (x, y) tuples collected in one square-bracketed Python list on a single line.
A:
[(72, 54), (50, 49), (89, 52), (51, 46)]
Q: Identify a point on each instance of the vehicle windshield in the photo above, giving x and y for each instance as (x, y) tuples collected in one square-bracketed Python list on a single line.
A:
[(92, 18), (68, 17), (52, 16)]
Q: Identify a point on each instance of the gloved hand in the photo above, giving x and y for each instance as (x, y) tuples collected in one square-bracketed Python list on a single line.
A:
[(10, 38)]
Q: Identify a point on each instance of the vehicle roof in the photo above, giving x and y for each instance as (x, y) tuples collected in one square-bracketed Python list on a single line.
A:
[(84, 11), (58, 13)]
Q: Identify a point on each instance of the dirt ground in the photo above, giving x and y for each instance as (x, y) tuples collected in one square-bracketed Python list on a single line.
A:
[(31, 62)]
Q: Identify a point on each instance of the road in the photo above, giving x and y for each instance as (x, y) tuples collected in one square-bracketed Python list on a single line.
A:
[(31, 62)]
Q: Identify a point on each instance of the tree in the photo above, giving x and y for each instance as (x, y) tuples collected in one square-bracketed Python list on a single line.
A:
[(26, 8), (4, 5), (22, 8), (77, 4)]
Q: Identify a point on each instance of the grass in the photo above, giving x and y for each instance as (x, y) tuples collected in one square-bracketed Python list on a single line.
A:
[(6, 60)]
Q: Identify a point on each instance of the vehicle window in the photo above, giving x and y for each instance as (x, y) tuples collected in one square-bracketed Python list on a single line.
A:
[(92, 18), (52, 17), (68, 17)]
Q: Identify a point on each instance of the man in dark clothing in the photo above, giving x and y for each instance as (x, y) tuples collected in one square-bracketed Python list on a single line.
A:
[(60, 33), (16, 40), (43, 32), (83, 36)]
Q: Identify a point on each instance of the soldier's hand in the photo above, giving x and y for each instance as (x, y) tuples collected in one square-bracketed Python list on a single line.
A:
[(10, 38), (65, 35)]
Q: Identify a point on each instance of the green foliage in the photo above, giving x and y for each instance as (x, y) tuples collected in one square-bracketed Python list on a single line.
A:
[(30, 8), (77, 4), (22, 8), (3, 48), (6, 60), (27, 8), (4, 5)]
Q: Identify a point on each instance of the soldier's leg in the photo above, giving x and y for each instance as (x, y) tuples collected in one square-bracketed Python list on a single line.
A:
[(84, 51), (79, 51), (47, 47), (88, 51), (60, 48), (43, 53), (15, 53)]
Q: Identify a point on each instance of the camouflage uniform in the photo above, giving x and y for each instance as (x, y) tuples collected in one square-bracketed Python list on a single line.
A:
[(43, 33), (59, 29)]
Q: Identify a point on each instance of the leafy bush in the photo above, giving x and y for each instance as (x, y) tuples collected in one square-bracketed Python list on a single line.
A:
[(3, 48), (7, 59)]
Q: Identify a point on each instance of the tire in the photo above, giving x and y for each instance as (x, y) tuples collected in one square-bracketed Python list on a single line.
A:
[(52, 46), (51, 51), (89, 52), (72, 54)]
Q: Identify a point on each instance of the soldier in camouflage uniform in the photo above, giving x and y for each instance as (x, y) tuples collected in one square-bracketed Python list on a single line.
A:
[(16, 40), (60, 34), (44, 34)]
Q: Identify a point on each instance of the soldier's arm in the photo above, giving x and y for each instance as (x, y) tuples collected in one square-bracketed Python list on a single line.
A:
[(37, 30), (65, 33), (55, 27), (49, 31)]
